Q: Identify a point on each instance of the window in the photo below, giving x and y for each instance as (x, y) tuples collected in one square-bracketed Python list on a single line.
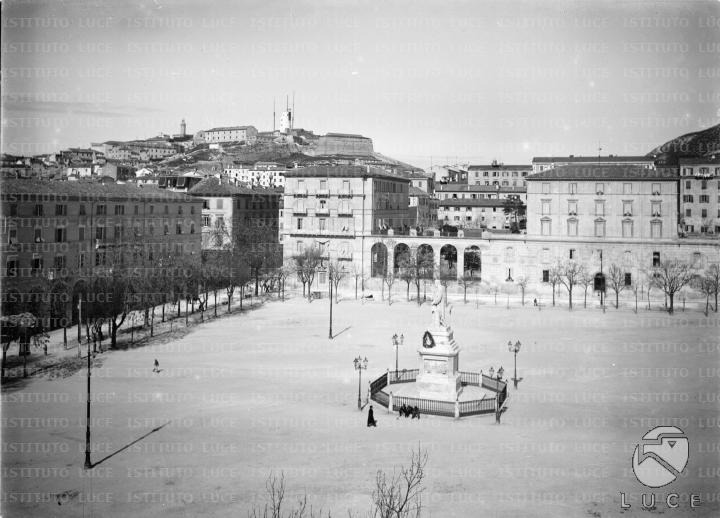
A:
[(36, 264), (545, 188), (704, 198), (60, 210), (152, 209), (60, 235), (13, 209), (38, 235), (180, 210), (99, 258), (178, 228), (39, 210), (655, 229), (166, 229), (192, 228), (81, 260), (119, 210), (545, 227), (687, 198), (546, 275), (572, 254), (322, 224), (119, 231), (599, 228), (299, 223), (101, 210), (545, 207), (599, 189), (206, 204), (703, 184), (688, 184), (627, 188), (167, 209), (220, 222), (656, 189), (59, 262), (628, 279), (599, 208), (572, 208), (546, 255), (627, 228), (82, 209), (703, 213), (627, 208), (136, 210), (12, 235), (572, 227), (299, 246), (323, 184), (151, 230), (206, 221), (11, 266), (655, 209), (656, 259)]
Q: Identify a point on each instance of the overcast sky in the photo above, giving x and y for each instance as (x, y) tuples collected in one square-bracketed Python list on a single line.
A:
[(470, 81)]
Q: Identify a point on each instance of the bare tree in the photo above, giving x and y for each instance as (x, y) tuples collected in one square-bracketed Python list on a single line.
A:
[(283, 272), (336, 273), (522, 282), (275, 498), (671, 276), (585, 280), (399, 495), (359, 275), (704, 285), (306, 263), (467, 281), (423, 269), (713, 274), (406, 272), (616, 279), (570, 275), (554, 279), (389, 280)]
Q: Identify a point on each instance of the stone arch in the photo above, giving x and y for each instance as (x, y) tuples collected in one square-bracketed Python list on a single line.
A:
[(378, 260), (472, 263), (401, 254), (448, 262), (425, 257)]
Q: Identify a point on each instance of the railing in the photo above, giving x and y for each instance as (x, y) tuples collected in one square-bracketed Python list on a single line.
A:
[(470, 378), (378, 384), (492, 383), (403, 376), (478, 406), (426, 406)]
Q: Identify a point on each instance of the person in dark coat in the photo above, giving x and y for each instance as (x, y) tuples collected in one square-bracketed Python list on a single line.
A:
[(416, 413), (157, 366), (371, 418)]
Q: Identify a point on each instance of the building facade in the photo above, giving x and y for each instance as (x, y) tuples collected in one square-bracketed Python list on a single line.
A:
[(498, 174), (423, 209), (543, 163), (700, 197), (228, 134), (625, 202), (474, 213), (65, 232)]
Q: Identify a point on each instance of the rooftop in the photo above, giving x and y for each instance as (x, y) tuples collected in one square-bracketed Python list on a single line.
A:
[(470, 202), (86, 190), (501, 166), (591, 159), (230, 128), (700, 161), (345, 135), (462, 187), (604, 172), (214, 187), (415, 191), (343, 171)]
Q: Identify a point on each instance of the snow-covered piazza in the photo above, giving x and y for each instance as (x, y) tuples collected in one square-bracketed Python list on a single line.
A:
[(265, 392)]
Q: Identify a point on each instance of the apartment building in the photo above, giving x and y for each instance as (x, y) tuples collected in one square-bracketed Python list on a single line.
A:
[(627, 202), (700, 196)]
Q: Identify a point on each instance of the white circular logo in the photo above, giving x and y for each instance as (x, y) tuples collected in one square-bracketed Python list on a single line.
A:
[(661, 456)]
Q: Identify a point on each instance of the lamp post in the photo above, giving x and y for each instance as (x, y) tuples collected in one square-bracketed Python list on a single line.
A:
[(88, 463), (360, 364), (397, 341), (514, 349)]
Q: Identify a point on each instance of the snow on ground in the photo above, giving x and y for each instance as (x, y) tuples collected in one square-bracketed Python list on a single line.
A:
[(266, 392)]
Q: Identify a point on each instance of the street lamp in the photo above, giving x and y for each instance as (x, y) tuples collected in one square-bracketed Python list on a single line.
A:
[(515, 349), (360, 364), (397, 341)]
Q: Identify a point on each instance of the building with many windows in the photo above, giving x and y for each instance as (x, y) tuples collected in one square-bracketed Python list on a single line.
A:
[(228, 134), (474, 213), (498, 174), (607, 202), (423, 208), (63, 232), (700, 196), (461, 191), (229, 210)]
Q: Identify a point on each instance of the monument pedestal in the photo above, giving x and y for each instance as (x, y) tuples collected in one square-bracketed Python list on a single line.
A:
[(439, 377)]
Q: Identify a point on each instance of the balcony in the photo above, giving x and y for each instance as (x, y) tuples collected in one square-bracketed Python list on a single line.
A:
[(322, 193), (300, 193), (656, 214), (572, 213), (627, 213), (299, 210), (600, 193), (656, 193), (322, 211), (345, 193)]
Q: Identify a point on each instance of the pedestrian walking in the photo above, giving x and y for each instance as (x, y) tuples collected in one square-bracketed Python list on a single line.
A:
[(157, 366), (534, 302), (371, 418)]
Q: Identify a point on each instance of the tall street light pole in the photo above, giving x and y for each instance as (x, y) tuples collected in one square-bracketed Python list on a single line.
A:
[(330, 286), (397, 341), (360, 364), (515, 349), (88, 463)]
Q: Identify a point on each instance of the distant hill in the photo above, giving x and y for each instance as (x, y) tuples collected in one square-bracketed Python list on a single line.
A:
[(698, 144)]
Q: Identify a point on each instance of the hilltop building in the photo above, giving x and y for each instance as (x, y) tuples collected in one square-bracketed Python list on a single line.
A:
[(543, 163)]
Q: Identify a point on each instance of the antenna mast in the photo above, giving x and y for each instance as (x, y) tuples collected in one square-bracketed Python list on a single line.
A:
[(292, 117), (273, 115)]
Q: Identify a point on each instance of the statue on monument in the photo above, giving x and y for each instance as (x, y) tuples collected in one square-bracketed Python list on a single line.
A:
[(440, 315)]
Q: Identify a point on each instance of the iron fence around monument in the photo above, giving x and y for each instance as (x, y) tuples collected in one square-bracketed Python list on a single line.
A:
[(426, 406), (477, 406), (403, 376), (470, 378)]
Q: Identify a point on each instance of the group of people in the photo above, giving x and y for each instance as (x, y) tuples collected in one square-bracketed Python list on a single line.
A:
[(409, 411)]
